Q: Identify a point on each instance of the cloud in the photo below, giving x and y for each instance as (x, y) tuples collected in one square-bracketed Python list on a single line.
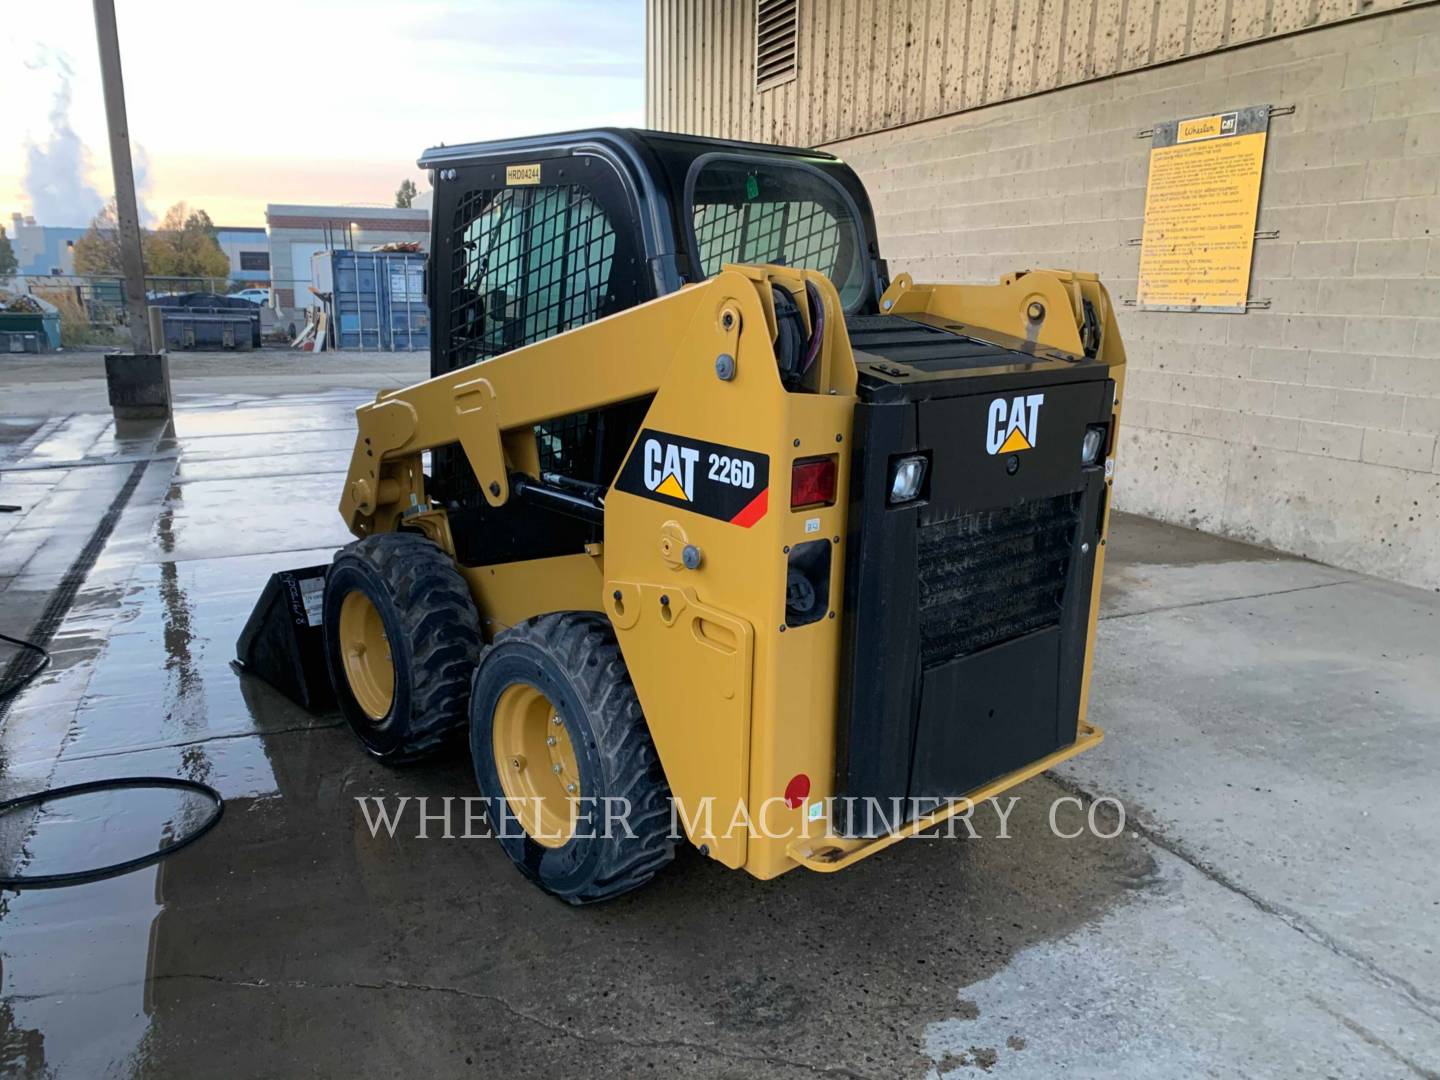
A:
[(57, 171), (144, 183), (569, 38)]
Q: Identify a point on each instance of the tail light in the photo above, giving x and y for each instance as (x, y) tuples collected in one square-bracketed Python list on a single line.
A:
[(812, 482)]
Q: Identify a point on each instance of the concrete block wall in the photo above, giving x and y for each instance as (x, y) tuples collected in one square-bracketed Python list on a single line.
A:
[(1310, 426)]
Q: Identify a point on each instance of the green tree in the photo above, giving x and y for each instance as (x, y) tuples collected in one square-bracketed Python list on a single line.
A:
[(8, 265), (184, 245), (97, 253), (405, 193)]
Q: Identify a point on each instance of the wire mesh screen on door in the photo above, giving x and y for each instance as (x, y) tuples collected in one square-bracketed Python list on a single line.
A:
[(787, 233), (528, 263), (746, 212)]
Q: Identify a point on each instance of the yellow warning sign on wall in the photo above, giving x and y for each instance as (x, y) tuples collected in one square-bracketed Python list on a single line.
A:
[(1201, 201)]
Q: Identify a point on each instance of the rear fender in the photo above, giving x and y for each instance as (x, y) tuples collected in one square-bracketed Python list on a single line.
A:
[(737, 702)]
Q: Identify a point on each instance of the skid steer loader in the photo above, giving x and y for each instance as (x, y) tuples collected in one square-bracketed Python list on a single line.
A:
[(705, 527)]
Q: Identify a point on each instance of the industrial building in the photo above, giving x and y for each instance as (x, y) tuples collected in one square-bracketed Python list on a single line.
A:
[(49, 250), (43, 250), (248, 249), (996, 137)]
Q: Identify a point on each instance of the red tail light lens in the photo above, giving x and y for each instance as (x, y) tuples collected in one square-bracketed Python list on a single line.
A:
[(812, 482)]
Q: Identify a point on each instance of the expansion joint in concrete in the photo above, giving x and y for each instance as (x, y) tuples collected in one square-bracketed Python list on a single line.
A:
[(1422, 1001), (1160, 609)]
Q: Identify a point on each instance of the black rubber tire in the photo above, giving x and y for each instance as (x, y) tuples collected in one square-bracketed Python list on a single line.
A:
[(434, 634), (572, 658)]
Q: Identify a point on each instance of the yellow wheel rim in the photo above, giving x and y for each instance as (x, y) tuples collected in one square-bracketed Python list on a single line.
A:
[(536, 763), (366, 652)]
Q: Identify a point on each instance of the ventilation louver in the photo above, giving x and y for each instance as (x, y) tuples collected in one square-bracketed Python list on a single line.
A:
[(776, 24)]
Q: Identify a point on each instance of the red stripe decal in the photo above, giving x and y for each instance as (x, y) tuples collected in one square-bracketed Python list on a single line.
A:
[(754, 510)]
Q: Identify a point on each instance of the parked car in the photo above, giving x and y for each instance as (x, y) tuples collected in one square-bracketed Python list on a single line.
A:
[(255, 296)]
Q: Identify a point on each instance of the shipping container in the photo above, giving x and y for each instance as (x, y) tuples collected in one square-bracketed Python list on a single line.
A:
[(375, 300)]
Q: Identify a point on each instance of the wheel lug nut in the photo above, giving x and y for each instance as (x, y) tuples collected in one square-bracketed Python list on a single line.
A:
[(555, 719), (557, 769), (570, 788), (551, 741)]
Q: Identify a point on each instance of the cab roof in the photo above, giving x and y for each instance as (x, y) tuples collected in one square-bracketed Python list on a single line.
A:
[(656, 166), (659, 142)]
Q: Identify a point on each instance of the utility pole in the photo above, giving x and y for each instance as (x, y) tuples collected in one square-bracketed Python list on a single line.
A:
[(131, 259)]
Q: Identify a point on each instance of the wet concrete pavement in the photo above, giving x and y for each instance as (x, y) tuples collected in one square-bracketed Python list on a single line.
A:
[(1272, 907), (72, 383)]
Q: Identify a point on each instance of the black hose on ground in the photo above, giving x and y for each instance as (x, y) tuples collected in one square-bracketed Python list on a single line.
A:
[(7, 692), (81, 877)]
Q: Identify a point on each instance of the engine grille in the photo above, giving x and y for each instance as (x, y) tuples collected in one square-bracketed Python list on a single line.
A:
[(992, 575)]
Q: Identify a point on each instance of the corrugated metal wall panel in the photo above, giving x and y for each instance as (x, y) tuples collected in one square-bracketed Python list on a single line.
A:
[(1170, 29), (1049, 33), (997, 52), (952, 77), (1207, 26), (868, 65), (1075, 52), (1247, 22), (1105, 38), (977, 48)]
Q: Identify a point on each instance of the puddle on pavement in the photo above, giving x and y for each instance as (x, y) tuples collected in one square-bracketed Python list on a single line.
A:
[(1144, 540), (16, 429), (1153, 565), (165, 676), (229, 447), (89, 938), (77, 437), (241, 516), (267, 923), (314, 462), (192, 425)]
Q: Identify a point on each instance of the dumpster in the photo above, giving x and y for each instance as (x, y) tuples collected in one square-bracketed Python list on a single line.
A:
[(208, 321), (21, 341), (27, 331), (374, 299), (208, 330)]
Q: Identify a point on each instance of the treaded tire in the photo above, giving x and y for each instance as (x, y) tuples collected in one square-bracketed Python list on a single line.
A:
[(574, 660), (433, 631)]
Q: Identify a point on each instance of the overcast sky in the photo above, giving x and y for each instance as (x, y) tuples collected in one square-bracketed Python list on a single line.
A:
[(239, 104)]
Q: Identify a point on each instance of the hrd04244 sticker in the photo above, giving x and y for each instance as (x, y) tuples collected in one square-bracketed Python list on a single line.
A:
[(708, 478)]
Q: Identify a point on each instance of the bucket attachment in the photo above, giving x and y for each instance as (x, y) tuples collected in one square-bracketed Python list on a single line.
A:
[(283, 642)]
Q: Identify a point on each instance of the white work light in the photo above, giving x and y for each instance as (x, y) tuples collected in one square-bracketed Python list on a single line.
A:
[(906, 476), (1092, 445)]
